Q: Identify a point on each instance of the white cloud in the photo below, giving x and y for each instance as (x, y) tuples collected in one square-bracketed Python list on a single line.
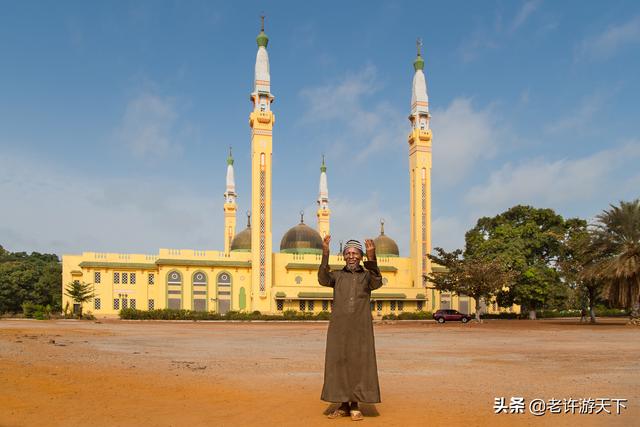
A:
[(55, 210), (523, 14), (462, 136), (557, 184), (448, 232), (365, 126), (149, 126), (579, 118), (607, 43)]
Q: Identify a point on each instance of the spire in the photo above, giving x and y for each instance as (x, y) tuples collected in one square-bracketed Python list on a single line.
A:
[(230, 195), (382, 227), (262, 80), (248, 219), (262, 38), (301, 217), (230, 158), (419, 116), (323, 196)]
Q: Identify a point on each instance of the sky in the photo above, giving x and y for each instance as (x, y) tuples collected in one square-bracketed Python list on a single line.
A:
[(116, 117)]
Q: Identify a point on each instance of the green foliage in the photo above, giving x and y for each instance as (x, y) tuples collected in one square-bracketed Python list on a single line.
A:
[(478, 277), (528, 241), (34, 278), (80, 293), (409, 315), (616, 238), (171, 314), (36, 311)]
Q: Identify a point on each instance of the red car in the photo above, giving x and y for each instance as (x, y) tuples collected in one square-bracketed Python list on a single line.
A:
[(441, 316)]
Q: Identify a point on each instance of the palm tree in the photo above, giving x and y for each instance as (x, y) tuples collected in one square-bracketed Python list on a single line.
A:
[(80, 293), (617, 240)]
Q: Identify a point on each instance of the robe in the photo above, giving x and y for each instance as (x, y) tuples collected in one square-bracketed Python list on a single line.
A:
[(350, 369)]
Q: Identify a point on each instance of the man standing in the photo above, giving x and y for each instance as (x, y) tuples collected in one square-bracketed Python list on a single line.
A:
[(350, 370)]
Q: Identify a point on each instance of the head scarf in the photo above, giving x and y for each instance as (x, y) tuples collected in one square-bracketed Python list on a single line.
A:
[(353, 244)]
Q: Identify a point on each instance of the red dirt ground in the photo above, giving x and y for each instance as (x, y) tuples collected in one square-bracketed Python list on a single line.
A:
[(129, 373)]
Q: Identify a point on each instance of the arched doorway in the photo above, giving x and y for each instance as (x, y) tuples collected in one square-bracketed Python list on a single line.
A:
[(199, 281), (174, 290), (223, 283)]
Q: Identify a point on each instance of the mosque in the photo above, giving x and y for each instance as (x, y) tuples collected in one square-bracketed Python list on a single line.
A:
[(248, 275)]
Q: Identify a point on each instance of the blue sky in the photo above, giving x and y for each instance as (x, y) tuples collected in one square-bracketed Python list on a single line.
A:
[(115, 117)]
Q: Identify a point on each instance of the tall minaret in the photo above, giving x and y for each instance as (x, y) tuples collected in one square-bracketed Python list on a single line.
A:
[(229, 206), (323, 212), (261, 121), (420, 174)]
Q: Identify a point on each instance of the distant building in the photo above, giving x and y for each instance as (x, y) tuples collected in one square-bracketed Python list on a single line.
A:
[(247, 274)]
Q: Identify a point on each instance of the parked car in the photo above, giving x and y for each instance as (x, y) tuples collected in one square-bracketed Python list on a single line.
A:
[(444, 315)]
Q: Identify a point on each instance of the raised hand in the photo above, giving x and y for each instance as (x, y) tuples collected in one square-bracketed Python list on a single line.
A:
[(325, 244), (371, 249)]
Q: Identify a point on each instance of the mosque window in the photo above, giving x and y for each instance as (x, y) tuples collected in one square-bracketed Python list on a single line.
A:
[(116, 304), (132, 303), (400, 305), (393, 305), (310, 305), (325, 305), (96, 304), (302, 305), (151, 279), (298, 280), (175, 278), (116, 277), (96, 277), (279, 305), (494, 306), (132, 278), (151, 304), (419, 305), (384, 281), (125, 278), (125, 303), (379, 305)]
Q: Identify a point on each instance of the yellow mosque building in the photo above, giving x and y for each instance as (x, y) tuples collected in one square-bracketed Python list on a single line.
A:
[(248, 275)]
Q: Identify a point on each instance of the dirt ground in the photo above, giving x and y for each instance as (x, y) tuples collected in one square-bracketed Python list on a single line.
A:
[(130, 373)]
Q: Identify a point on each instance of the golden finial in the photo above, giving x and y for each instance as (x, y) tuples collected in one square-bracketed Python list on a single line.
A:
[(419, 45), (262, 21)]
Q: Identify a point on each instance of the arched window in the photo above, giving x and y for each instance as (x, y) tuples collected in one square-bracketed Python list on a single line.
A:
[(199, 282), (223, 285), (174, 290)]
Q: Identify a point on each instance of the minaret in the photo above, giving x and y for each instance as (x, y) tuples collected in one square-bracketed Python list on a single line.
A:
[(420, 174), (229, 206), (261, 121), (323, 213)]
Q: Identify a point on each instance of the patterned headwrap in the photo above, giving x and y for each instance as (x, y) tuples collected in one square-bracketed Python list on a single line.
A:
[(353, 244)]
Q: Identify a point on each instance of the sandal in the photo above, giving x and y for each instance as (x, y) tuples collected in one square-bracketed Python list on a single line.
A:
[(337, 413), (356, 415)]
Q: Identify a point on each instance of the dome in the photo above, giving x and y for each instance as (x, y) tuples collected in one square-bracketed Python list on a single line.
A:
[(385, 245), (301, 239), (242, 241)]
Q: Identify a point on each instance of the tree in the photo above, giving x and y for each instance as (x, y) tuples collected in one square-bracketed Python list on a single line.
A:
[(478, 278), (616, 239), (35, 278), (80, 293), (578, 255), (527, 241)]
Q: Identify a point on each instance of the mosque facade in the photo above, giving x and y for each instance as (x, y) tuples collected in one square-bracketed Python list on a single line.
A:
[(248, 275)]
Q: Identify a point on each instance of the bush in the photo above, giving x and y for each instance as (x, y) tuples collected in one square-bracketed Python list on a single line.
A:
[(171, 314), (501, 316), (36, 311)]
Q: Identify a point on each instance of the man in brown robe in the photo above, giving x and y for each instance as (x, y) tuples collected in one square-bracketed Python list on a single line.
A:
[(350, 370)]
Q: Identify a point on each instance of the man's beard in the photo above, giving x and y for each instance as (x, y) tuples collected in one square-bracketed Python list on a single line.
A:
[(353, 267)]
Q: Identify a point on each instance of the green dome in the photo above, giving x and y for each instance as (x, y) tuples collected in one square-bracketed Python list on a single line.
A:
[(418, 64), (385, 245), (242, 241), (301, 239), (262, 39)]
